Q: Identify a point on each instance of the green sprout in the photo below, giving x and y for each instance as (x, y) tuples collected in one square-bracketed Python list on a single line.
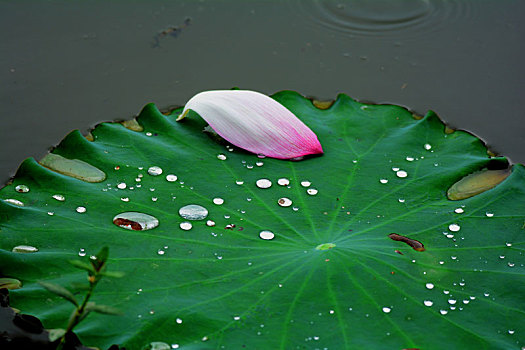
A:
[(96, 269)]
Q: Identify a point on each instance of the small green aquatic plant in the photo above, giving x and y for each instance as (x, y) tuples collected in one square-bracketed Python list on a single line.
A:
[(96, 269)]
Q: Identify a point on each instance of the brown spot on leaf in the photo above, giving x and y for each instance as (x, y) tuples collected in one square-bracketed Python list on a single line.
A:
[(126, 222), (416, 245)]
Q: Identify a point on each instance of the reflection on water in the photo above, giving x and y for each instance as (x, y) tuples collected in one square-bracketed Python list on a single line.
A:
[(384, 18)]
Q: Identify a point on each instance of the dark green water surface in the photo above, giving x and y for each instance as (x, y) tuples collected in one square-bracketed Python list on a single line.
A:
[(68, 65)]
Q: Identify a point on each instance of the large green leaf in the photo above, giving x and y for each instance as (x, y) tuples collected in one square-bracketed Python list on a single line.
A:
[(224, 287)]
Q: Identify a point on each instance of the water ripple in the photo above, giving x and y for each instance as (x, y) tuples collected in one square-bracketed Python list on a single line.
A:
[(384, 18)]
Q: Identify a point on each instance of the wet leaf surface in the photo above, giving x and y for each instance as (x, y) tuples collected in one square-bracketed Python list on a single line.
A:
[(289, 254)]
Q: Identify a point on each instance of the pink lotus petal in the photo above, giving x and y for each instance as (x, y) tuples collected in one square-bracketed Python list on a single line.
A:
[(254, 122)]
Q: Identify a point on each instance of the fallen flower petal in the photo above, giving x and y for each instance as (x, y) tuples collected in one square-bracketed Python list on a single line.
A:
[(254, 122)]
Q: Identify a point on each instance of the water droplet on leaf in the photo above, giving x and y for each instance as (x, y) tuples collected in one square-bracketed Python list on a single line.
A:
[(263, 183), (267, 235), (59, 197), (185, 226), (14, 202), (283, 181), (81, 210), (24, 249), (171, 178), (218, 201), (22, 189), (154, 171), (454, 227), (193, 212), (136, 221), (284, 202), (401, 173), (312, 191)]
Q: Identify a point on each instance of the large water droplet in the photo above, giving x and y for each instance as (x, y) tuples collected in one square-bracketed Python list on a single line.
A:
[(263, 183), (477, 183), (136, 221), (193, 212), (218, 201), (267, 235), (81, 210), (284, 202), (73, 167), (283, 182), (24, 249), (386, 310), (429, 285), (171, 178), (428, 302), (14, 202), (305, 183), (185, 226), (22, 189), (121, 185), (154, 170)]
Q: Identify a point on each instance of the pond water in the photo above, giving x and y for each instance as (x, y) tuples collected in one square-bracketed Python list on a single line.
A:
[(69, 65)]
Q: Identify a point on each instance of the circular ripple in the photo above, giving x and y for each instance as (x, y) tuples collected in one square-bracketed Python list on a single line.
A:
[(383, 17)]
